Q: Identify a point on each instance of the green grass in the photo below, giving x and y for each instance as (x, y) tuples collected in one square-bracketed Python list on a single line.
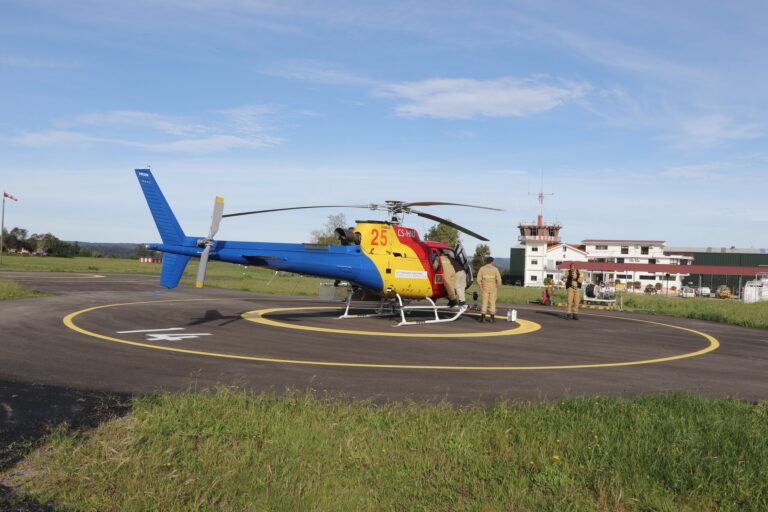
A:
[(716, 310), (10, 290), (218, 274), (230, 450)]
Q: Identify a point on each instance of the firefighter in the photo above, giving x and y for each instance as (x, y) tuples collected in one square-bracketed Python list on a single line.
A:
[(449, 278), (573, 280), (488, 279), (460, 282)]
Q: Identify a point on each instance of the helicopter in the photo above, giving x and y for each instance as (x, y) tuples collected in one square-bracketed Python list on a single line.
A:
[(383, 258)]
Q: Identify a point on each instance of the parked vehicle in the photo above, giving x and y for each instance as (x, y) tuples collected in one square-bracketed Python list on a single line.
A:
[(704, 291), (757, 290), (723, 292), (686, 292)]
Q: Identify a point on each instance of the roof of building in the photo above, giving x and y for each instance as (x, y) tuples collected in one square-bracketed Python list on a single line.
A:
[(716, 270), (603, 241), (719, 250), (576, 247)]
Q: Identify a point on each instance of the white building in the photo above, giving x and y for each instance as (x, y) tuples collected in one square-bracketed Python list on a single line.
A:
[(542, 254)]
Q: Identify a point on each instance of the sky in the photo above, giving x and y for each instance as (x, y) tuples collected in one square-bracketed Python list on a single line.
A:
[(643, 120)]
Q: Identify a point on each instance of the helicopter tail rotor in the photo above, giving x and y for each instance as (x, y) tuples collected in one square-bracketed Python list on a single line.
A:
[(207, 243)]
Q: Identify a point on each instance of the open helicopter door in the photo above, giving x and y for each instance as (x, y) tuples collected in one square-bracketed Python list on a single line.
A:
[(461, 257)]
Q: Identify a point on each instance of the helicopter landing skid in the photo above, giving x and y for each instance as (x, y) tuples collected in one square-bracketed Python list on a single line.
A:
[(390, 308)]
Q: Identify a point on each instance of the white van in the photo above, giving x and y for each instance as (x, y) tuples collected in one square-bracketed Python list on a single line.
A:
[(704, 291)]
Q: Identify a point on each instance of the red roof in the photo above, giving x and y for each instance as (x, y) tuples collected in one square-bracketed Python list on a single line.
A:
[(649, 242), (716, 270)]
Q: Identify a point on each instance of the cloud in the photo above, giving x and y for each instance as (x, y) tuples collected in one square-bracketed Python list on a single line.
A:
[(315, 72), (51, 138), (699, 171), (714, 130), (18, 61), (242, 127), (463, 98), (162, 123)]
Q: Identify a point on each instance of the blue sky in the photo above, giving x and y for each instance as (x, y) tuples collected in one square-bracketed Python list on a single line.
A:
[(646, 120)]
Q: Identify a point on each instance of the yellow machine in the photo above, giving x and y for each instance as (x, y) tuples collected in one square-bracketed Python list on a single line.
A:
[(723, 292)]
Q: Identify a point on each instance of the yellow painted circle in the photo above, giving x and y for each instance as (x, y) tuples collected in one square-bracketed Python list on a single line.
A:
[(260, 317), (68, 320)]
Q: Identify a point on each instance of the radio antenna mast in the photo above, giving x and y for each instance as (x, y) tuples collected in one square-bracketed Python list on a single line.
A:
[(540, 195)]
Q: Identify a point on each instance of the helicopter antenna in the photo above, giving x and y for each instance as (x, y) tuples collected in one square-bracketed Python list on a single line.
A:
[(540, 196)]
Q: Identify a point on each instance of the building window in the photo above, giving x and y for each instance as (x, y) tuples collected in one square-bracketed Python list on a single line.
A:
[(624, 249), (648, 278), (550, 276), (651, 261), (619, 260), (601, 247), (534, 249), (644, 249), (534, 278), (558, 263), (534, 262)]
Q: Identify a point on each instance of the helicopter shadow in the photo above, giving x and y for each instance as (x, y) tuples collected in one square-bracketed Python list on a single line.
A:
[(213, 315)]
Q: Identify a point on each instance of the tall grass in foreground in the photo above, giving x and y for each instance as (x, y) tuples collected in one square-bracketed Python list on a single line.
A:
[(10, 290), (230, 450)]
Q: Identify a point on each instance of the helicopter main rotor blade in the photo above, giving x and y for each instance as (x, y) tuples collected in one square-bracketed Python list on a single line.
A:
[(366, 206), (449, 223), (440, 203)]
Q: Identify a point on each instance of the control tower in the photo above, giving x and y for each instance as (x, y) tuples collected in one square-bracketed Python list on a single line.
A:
[(537, 237)]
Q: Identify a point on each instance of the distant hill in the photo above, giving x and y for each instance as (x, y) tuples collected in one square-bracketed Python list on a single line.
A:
[(119, 250)]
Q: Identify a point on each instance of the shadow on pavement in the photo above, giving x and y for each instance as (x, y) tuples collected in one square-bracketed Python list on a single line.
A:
[(28, 412), (556, 314)]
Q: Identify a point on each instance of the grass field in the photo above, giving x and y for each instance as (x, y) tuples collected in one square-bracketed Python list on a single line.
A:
[(260, 280), (230, 450), (10, 290)]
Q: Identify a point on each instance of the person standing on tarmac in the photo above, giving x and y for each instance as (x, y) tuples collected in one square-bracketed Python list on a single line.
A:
[(489, 280), (573, 280)]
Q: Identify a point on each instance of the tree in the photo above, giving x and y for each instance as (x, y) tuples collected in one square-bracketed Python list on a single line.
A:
[(478, 260), (327, 235), (442, 233), (17, 239)]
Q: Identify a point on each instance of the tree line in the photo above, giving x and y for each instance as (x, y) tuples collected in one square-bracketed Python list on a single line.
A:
[(19, 240)]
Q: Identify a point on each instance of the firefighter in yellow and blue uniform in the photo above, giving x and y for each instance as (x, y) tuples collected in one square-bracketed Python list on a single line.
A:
[(489, 280)]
